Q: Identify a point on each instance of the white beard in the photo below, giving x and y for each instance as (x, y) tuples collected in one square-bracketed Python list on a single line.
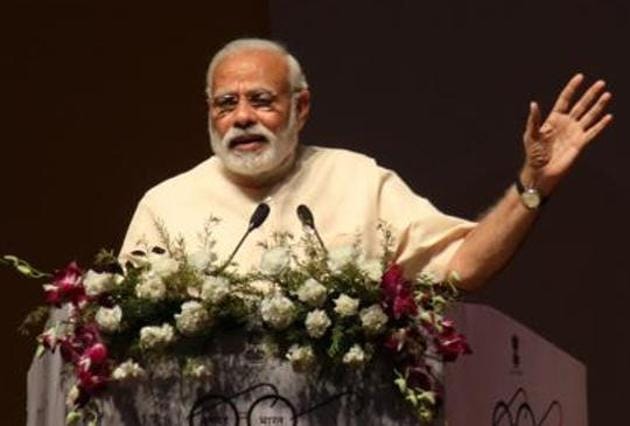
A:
[(277, 149)]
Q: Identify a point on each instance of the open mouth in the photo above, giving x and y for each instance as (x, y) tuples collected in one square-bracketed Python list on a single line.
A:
[(248, 143)]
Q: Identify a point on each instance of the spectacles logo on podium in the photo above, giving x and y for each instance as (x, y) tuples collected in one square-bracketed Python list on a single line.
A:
[(270, 408)]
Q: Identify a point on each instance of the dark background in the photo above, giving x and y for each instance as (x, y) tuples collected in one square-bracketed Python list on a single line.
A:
[(101, 101)]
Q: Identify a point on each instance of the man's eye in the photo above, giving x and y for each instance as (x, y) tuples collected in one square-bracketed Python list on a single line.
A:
[(261, 99), (225, 103)]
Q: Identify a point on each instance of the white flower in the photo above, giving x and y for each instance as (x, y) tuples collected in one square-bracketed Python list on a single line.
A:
[(346, 306), (373, 268), (128, 370), (340, 257), (214, 289), (355, 357), (201, 259), (312, 292), (275, 260), (278, 311), (373, 319), (108, 319), (302, 358), (198, 368), (162, 264), (154, 336), (193, 318), (96, 283), (151, 287), (317, 322)]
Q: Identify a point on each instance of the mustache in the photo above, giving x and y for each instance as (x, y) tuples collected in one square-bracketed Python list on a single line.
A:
[(257, 132)]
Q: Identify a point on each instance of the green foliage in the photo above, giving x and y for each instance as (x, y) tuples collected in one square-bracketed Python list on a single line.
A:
[(105, 257), (338, 345), (34, 319), (23, 267)]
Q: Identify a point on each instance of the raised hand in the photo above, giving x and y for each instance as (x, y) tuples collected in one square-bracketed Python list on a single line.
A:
[(552, 146)]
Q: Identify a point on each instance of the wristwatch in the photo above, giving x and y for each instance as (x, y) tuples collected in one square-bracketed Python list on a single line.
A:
[(531, 197)]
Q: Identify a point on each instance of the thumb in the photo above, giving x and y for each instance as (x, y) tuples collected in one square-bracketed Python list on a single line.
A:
[(532, 128)]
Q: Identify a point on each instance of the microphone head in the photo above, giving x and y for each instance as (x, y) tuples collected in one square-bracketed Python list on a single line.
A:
[(259, 216), (306, 216)]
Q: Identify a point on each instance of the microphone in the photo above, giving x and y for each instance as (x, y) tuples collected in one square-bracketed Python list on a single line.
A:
[(306, 217), (257, 219)]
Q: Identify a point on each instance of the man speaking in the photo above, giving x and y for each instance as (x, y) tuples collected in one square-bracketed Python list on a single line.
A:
[(258, 100)]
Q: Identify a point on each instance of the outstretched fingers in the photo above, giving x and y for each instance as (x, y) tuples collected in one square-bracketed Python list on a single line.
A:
[(564, 99), (595, 111), (587, 99), (596, 128)]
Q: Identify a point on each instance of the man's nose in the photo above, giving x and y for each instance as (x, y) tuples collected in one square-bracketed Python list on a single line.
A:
[(245, 115)]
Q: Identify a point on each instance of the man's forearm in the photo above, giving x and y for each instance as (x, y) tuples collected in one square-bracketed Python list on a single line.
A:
[(489, 246)]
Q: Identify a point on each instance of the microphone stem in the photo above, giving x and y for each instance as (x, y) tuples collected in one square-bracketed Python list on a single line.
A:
[(238, 246), (319, 238)]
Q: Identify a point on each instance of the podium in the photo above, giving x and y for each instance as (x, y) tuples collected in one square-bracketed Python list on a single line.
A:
[(513, 378)]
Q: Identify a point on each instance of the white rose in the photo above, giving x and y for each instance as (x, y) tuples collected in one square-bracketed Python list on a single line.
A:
[(275, 260), (373, 319), (128, 370), (96, 283), (355, 357), (346, 306), (108, 319), (340, 257), (201, 259), (373, 268), (312, 292), (162, 264), (214, 289), (198, 368), (317, 322), (193, 318), (278, 311), (154, 336), (151, 287), (302, 358)]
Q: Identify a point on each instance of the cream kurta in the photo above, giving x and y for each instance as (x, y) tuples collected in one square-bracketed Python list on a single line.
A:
[(347, 192)]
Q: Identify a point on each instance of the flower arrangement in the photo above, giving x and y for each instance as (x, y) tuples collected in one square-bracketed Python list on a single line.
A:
[(317, 309)]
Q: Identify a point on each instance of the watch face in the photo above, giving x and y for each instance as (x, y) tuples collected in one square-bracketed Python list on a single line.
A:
[(531, 198)]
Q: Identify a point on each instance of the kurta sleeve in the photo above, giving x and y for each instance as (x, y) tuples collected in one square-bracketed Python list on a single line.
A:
[(426, 239)]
